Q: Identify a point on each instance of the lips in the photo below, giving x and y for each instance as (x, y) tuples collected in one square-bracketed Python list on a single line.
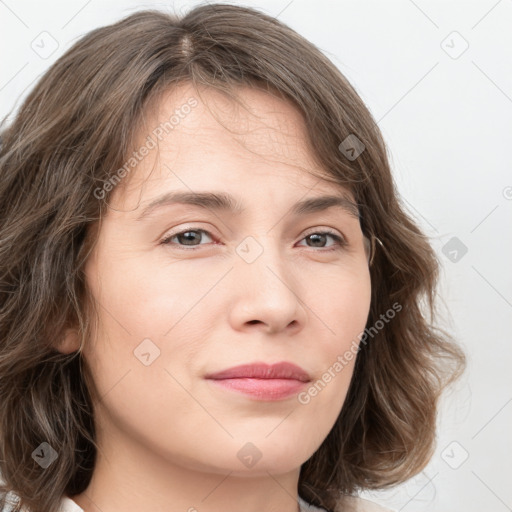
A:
[(260, 381), (282, 370)]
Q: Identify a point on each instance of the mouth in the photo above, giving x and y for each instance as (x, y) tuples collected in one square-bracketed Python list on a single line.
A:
[(262, 381)]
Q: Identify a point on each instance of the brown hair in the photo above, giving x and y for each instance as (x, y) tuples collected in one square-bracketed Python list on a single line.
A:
[(74, 131)]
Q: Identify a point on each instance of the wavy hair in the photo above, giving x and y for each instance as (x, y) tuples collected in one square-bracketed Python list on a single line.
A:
[(71, 134)]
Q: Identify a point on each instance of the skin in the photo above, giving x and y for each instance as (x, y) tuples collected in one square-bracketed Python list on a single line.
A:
[(168, 438)]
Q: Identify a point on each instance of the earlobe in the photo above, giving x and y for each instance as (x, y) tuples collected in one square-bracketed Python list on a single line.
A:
[(70, 342), (371, 247), (367, 248)]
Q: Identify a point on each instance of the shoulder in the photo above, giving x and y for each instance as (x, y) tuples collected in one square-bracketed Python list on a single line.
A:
[(347, 504), (68, 505), (9, 501), (12, 499), (357, 504)]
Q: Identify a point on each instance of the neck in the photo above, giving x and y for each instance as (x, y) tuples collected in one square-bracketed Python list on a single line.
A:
[(129, 476)]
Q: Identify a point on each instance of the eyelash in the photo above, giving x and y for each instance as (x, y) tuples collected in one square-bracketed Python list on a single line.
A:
[(340, 241)]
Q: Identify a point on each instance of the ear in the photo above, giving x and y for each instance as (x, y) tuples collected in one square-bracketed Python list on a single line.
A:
[(70, 342), (368, 248)]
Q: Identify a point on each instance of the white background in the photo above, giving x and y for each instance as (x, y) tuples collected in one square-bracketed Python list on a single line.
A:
[(447, 120)]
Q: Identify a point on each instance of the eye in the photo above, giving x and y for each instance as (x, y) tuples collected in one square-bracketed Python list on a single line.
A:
[(319, 237), (191, 238), (188, 237)]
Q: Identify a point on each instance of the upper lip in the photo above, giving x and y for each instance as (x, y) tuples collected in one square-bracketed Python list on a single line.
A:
[(258, 370)]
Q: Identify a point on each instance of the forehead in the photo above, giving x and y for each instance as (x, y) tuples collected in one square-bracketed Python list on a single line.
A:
[(253, 120), (204, 137)]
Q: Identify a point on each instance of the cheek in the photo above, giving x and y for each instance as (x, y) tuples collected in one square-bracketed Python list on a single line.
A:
[(138, 339), (342, 310), (138, 298), (341, 301), (147, 314)]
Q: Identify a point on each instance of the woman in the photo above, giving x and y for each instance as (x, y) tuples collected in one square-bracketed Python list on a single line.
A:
[(211, 297)]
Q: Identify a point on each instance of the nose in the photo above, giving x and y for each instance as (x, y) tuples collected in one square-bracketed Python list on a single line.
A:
[(267, 292)]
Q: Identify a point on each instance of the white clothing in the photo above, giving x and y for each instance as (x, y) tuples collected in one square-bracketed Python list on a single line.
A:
[(356, 505)]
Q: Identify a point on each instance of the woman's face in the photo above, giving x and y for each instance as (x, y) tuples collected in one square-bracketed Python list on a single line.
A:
[(185, 291)]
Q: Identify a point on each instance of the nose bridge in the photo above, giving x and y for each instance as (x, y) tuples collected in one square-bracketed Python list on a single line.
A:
[(266, 281), (262, 255)]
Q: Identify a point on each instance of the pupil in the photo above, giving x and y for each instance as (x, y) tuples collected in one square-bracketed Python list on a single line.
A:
[(189, 236), (316, 238)]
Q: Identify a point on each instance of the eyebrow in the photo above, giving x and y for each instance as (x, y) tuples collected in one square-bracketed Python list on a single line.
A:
[(221, 201)]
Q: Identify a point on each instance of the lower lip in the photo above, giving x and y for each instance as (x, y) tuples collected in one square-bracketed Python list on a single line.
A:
[(262, 389)]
